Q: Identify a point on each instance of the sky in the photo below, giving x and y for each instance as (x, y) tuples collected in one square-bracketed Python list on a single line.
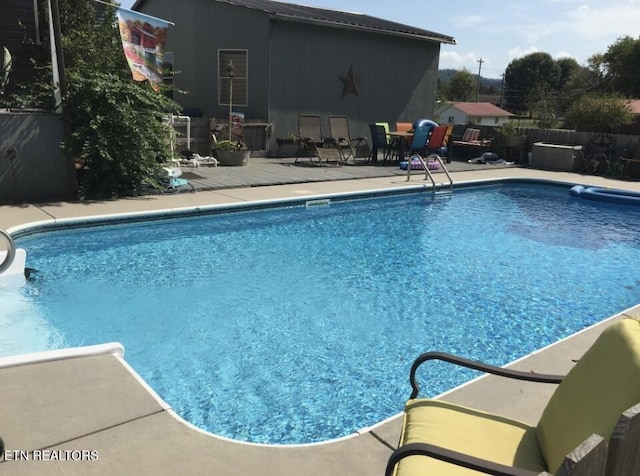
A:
[(499, 31)]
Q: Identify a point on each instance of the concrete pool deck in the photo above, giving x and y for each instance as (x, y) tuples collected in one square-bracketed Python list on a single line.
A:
[(97, 404)]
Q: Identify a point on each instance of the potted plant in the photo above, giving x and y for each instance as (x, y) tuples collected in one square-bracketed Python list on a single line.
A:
[(508, 142), (509, 135), (232, 153), (288, 146)]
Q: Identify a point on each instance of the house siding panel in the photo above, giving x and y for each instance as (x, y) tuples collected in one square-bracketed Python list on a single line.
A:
[(307, 63), (202, 28)]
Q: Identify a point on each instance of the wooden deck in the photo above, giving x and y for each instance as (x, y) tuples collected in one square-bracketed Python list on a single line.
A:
[(280, 171)]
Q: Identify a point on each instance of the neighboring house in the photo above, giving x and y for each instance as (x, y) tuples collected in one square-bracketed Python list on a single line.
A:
[(476, 113), (292, 59), (634, 105)]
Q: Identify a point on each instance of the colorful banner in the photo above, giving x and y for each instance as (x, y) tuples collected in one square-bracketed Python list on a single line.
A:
[(143, 40)]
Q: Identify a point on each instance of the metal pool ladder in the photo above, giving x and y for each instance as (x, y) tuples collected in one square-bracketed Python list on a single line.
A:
[(428, 174), (11, 251)]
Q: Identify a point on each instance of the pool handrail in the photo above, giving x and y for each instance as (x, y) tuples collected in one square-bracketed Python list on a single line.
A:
[(11, 251)]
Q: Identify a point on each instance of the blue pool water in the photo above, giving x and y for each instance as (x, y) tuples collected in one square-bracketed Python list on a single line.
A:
[(297, 325)]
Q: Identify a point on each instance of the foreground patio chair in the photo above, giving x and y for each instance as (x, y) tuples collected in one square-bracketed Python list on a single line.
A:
[(581, 431)]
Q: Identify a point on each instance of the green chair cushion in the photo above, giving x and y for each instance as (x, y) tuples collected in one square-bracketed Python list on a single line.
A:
[(468, 431), (604, 383)]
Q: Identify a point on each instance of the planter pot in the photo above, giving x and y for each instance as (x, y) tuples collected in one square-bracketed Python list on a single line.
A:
[(233, 157), (287, 147)]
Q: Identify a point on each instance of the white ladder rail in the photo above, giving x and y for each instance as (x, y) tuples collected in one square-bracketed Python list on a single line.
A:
[(11, 251), (427, 172)]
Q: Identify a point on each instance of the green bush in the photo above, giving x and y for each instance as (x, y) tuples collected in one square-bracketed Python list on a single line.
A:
[(115, 127), (604, 112), (117, 131)]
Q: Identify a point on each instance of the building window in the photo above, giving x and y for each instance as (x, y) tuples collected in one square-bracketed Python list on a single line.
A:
[(451, 119), (496, 121), (240, 66)]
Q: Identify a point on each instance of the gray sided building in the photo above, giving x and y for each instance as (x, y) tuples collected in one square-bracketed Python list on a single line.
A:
[(292, 59), (18, 26)]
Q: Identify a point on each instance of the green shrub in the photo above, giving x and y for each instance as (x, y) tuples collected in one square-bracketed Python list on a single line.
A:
[(601, 111), (116, 133)]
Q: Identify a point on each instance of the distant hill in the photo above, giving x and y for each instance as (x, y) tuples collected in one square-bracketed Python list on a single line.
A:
[(445, 75)]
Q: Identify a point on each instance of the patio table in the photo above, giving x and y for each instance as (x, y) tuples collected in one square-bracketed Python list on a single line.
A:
[(400, 138)]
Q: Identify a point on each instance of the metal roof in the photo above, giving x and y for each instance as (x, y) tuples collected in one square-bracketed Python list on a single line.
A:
[(334, 18)]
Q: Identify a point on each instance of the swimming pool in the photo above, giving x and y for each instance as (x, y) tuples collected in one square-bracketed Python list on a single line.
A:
[(299, 324)]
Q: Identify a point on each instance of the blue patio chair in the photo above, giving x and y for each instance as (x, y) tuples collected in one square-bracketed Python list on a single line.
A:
[(420, 139)]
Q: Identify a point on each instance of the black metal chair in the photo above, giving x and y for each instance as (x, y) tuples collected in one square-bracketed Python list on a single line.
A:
[(379, 142)]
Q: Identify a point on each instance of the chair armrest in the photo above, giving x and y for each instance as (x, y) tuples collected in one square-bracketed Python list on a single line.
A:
[(454, 457), (473, 364)]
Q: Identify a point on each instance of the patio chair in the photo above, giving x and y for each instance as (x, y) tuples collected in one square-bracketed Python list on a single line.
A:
[(379, 142), (404, 127), (310, 136), (420, 139), (386, 129), (430, 156), (437, 139), (470, 140), (580, 432), (341, 137)]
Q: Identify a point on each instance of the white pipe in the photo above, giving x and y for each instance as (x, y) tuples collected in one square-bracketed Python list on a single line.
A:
[(188, 120)]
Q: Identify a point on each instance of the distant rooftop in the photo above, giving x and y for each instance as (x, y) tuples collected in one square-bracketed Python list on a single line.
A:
[(480, 109), (634, 105), (336, 18)]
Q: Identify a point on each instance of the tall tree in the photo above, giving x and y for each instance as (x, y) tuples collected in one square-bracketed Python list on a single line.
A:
[(536, 70), (575, 81), (621, 64), (569, 67), (463, 86), (542, 103)]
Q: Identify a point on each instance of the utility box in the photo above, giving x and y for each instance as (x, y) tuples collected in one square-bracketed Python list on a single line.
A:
[(566, 158)]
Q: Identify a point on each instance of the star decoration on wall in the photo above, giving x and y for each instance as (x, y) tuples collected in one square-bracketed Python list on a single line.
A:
[(350, 83)]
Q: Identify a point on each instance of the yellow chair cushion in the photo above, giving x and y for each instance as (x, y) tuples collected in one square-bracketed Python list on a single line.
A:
[(386, 128), (604, 383), (491, 437)]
